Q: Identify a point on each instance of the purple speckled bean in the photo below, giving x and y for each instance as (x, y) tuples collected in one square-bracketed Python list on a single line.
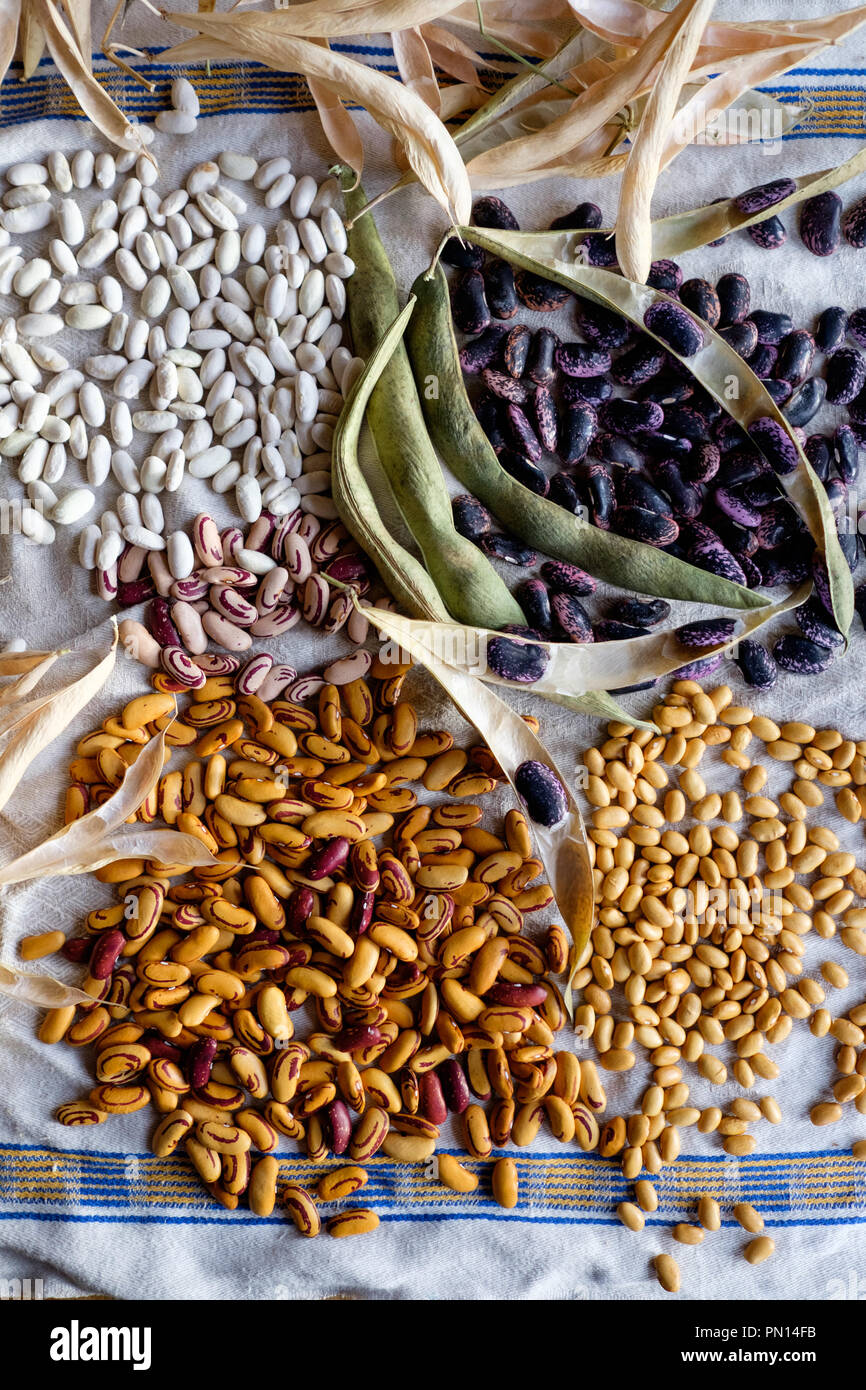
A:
[(304, 689), (189, 589), (283, 619), (275, 682), (232, 605), (339, 1126), (218, 663), (106, 953), (201, 1059), (455, 1087), (159, 621), (696, 670), (271, 589), (324, 861), (176, 662), (250, 677), (348, 668), (207, 540), (226, 634), (316, 596)]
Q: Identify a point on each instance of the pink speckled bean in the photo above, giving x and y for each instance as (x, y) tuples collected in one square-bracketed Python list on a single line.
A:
[(138, 644), (316, 596), (298, 561), (160, 572), (275, 682), (251, 676), (283, 619), (234, 575), (232, 605), (348, 668), (131, 563), (176, 662), (207, 540), (226, 634), (271, 589), (304, 688), (218, 664), (188, 623)]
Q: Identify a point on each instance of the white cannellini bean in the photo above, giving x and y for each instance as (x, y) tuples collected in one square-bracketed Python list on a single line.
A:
[(98, 460), (302, 197), (279, 191), (31, 275), (175, 122), (36, 527), (62, 257), (105, 170), (175, 470), (237, 166), (132, 224), (83, 163), (40, 325), (73, 506), (151, 512), (141, 535), (58, 168), (88, 544), (270, 171), (333, 230), (30, 218)]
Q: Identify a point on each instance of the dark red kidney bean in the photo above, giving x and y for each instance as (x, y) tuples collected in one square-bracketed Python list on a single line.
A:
[(665, 275), (431, 1098), (338, 1126), (817, 451), (639, 365), (158, 1046), (568, 579), (772, 327), (699, 296), (831, 328), (158, 620), (579, 427), (468, 305), (585, 217), (581, 360), (764, 195), (845, 372), (491, 417), (462, 254), (505, 386), (572, 617), (541, 366), (801, 656), (299, 909), (483, 350), (639, 612), (686, 499), (821, 223), (796, 354), (591, 389), (846, 453), (817, 624), (534, 599), (763, 359), (601, 326), (769, 234), (742, 337), (542, 793), (509, 550), (546, 419), (471, 519), (756, 664), (515, 349), (77, 948), (524, 662), (609, 630), (526, 472), (135, 591), (500, 289), (201, 1059), (524, 436), (357, 1037), (640, 524), (675, 326), (806, 401), (543, 296), (517, 996), (327, 858), (599, 249), (455, 1087), (106, 953), (775, 444), (362, 912), (735, 297), (492, 212), (564, 493)]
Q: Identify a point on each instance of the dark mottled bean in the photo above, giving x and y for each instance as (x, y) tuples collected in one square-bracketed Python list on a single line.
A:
[(796, 355), (572, 617), (526, 439), (764, 195), (738, 539), (756, 664), (462, 254), (468, 304), (739, 466), (675, 326), (544, 796), (854, 224), (801, 656), (592, 389), (546, 419), (521, 630), (708, 632), (615, 448), (769, 234), (717, 559), (568, 579), (635, 490), (700, 669), (506, 387), (526, 472), (686, 499), (821, 223), (639, 365), (579, 427), (581, 360), (471, 519), (582, 218), (640, 524), (658, 444), (600, 250), (624, 417), (699, 296), (845, 371), (735, 298), (702, 464), (763, 359), (610, 630), (779, 570), (478, 354), (601, 326), (534, 599), (737, 507), (541, 366), (665, 275), (515, 349), (525, 662), (598, 479), (817, 451), (772, 327), (728, 434), (510, 550), (817, 624), (667, 389), (762, 491), (639, 612), (831, 328), (499, 288), (563, 491), (684, 422), (849, 544), (751, 571), (492, 212), (846, 453), (490, 413), (860, 602), (775, 444), (806, 401), (742, 337), (543, 296), (779, 390), (857, 326)]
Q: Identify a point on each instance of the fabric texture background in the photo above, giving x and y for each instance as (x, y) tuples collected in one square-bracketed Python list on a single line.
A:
[(92, 1210)]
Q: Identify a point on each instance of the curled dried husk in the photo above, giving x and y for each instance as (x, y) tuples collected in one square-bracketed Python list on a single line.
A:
[(32, 40), (717, 366), (93, 99)]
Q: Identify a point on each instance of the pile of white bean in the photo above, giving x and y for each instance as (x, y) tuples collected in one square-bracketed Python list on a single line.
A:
[(223, 355)]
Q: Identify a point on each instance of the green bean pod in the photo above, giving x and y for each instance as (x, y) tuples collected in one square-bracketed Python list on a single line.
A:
[(465, 448), (470, 587)]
